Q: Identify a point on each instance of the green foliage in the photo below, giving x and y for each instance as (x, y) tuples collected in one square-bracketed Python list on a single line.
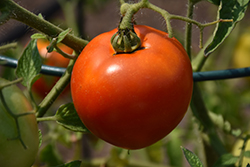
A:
[(29, 64), (68, 118), (192, 159), (50, 156), (233, 9), (221, 99), (225, 160)]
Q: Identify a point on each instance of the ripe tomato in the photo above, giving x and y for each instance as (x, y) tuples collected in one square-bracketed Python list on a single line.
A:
[(43, 85), (132, 100), (12, 152)]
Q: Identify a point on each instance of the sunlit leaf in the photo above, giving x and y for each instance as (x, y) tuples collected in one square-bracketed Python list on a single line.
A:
[(233, 9)]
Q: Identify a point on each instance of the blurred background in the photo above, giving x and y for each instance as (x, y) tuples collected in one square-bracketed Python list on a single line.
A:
[(88, 18)]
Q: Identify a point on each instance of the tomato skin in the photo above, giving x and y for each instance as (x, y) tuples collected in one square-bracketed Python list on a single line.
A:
[(44, 84), (132, 100), (12, 152)]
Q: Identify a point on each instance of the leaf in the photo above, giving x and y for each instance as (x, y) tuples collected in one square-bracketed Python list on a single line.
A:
[(29, 64), (68, 118), (71, 164), (40, 138), (38, 36), (226, 159), (49, 155), (233, 9), (63, 34), (247, 154), (192, 159)]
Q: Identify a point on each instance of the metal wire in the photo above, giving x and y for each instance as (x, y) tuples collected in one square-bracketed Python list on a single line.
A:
[(197, 76)]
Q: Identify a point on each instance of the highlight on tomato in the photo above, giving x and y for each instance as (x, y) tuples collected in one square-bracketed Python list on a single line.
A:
[(12, 151), (44, 84), (132, 100)]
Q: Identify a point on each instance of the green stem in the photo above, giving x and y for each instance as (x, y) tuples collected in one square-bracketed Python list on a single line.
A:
[(201, 113), (66, 55), (197, 104), (9, 83), (52, 118), (188, 41), (55, 91), (19, 13), (8, 46)]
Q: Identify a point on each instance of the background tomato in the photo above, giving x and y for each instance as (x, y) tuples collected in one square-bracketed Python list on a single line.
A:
[(13, 153), (43, 85), (132, 100)]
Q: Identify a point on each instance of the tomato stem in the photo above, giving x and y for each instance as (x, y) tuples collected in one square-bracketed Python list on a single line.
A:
[(14, 11), (66, 55), (55, 91)]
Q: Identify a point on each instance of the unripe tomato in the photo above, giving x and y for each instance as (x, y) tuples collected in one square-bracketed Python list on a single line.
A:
[(12, 152), (132, 100), (44, 84)]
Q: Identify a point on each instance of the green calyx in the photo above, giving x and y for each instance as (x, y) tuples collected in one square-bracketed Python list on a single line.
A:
[(125, 41)]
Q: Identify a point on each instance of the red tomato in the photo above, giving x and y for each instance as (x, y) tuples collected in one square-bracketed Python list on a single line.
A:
[(132, 100), (44, 84)]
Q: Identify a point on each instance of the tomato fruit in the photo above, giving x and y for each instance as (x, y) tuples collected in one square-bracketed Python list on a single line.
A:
[(132, 100), (12, 152), (44, 84)]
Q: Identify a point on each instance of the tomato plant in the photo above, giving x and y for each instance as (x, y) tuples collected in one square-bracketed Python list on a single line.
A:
[(135, 99), (13, 153), (43, 85)]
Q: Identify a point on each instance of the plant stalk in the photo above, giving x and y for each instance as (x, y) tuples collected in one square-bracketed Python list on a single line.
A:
[(55, 91), (19, 13)]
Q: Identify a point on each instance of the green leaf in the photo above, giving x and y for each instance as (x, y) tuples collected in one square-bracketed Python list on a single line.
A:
[(40, 138), (49, 155), (38, 36), (192, 159), (233, 9), (71, 164), (29, 64), (247, 154), (226, 159), (63, 34), (68, 118)]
